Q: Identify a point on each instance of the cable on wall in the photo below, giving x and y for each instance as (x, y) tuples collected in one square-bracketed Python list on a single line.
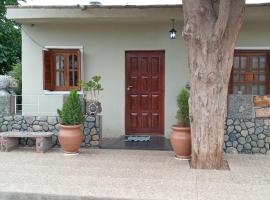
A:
[(32, 39)]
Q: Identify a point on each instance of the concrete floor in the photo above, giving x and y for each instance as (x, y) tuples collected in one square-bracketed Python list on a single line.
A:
[(128, 174)]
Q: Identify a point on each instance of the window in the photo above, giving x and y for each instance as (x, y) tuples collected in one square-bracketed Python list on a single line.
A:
[(62, 69), (250, 73)]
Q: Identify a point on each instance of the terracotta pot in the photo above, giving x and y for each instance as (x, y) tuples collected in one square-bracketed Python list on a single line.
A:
[(70, 138), (181, 142)]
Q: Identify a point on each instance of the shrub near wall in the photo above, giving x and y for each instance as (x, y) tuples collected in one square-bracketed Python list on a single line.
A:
[(92, 127)]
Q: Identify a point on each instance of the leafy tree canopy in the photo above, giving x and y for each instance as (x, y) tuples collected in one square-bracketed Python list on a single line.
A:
[(10, 39)]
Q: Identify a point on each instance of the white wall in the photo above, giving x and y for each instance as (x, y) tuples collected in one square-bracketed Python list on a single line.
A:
[(104, 54)]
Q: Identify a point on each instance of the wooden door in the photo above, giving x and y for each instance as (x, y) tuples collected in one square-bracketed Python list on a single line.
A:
[(144, 92)]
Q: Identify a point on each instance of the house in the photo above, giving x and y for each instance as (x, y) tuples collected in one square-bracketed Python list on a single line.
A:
[(142, 68)]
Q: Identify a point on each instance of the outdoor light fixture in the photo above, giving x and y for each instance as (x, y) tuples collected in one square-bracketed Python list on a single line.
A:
[(173, 31)]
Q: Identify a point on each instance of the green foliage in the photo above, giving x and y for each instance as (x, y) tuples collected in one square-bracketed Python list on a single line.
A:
[(16, 73), (71, 113), (10, 39), (183, 108), (92, 85)]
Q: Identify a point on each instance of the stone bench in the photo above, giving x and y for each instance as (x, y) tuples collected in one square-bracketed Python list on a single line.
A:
[(10, 140)]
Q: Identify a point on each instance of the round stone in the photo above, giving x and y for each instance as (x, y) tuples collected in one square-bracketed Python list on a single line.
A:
[(29, 119), (229, 122), (86, 131), (24, 126), (93, 131), (244, 133), (45, 127), (94, 143), (254, 137), (95, 137), (261, 143), (226, 138), (232, 137), (37, 128), (231, 150), (229, 144), (267, 146), (259, 130), (242, 140), (238, 128), (255, 150), (253, 144), (267, 139), (235, 143), (18, 118), (263, 150), (259, 122), (261, 136), (251, 131), (52, 120), (4, 128), (250, 124), (51, 128), (243, 126), (247, 146), (90, 119), (87, 139), (239, 147), (230, 129), (236, 122), (248, 138), (267, 122), (16, 126)]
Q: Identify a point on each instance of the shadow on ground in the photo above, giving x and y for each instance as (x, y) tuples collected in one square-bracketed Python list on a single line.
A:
[(28, 196)]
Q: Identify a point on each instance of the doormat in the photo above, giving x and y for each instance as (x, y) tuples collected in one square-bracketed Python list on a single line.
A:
[(137, 139)]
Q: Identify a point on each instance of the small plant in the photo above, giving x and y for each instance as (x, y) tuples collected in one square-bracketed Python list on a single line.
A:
[(92, 88), (183, 108), (71, 113)]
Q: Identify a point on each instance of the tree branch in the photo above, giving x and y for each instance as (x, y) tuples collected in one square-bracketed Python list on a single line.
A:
[(222, 20)]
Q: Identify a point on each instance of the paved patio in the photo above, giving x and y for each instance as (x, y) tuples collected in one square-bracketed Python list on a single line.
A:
[(128, 174)]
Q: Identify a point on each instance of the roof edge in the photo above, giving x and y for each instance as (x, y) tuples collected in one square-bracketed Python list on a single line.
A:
[(96, 6), (116, 6)]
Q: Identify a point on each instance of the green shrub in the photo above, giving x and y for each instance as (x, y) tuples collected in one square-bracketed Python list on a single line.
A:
[(71, 113), (183, 108)]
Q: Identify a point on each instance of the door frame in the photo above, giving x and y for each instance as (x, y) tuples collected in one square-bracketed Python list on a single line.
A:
[(161, 132)]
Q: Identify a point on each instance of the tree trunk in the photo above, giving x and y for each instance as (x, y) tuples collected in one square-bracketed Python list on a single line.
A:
[(210, 30)]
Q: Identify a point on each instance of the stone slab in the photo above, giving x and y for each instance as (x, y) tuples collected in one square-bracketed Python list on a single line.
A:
[(25, 134)]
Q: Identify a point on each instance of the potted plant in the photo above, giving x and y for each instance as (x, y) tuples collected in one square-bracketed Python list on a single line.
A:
[(71, 119), (180, 137), (91, 91)]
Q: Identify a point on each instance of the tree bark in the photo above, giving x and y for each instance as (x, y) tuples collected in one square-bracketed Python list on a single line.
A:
[(210, 30)]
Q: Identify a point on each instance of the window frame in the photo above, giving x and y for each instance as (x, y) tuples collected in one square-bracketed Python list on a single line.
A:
[(250, 53), (64, 49)]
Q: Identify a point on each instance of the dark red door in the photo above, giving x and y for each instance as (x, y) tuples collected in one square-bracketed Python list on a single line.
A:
[(145, 92)]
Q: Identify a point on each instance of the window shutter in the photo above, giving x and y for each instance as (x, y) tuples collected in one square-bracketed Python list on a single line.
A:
[(47, 71)]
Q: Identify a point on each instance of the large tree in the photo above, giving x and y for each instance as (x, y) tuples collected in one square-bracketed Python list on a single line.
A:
[(10, 39), (210, 30)]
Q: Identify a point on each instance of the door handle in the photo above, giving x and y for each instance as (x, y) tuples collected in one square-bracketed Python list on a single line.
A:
[(129, 87)]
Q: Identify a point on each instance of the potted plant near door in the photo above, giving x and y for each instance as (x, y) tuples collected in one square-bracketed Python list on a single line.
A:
[(181, 137), (71, 119)]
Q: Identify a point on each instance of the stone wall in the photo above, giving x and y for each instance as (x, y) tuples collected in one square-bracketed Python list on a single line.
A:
[(92, 127), (247, 136)]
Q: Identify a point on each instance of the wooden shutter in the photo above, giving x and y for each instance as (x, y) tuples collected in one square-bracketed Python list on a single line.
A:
[(48, 71)]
